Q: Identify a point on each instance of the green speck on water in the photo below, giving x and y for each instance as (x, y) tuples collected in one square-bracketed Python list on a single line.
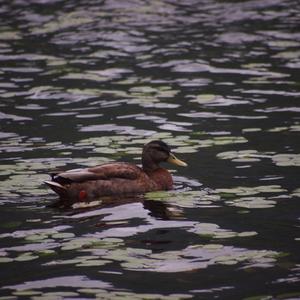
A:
[(12, 224)]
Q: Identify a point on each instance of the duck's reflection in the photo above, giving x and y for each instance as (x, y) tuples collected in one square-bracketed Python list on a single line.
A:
[(162, 210), (115, 205)]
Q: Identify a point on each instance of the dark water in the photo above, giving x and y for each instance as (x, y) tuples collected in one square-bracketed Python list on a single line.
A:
[(85, 82)]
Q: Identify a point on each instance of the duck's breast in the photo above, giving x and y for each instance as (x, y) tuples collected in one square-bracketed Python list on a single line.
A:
[(162, 179)]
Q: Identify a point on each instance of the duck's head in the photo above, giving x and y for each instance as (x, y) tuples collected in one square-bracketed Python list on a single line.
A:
[(156, 152)]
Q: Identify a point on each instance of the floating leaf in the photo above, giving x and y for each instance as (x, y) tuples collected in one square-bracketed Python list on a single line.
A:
[(251, 129), (248, 191), (63, 235), (296, 192), (252, 202), (92, 291), (247, 233), (26, 257), (93, 263), (286, 160), (46, 252), (204, 98), (36, 237), (243, 154), (5, 259)]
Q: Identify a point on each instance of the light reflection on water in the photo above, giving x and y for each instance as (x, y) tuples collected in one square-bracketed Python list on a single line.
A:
[(89, 82)]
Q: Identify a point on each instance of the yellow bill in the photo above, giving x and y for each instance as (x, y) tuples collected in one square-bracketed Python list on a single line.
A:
[(174, 160)]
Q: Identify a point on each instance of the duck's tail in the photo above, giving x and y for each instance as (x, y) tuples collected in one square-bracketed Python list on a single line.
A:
[(57, 188)]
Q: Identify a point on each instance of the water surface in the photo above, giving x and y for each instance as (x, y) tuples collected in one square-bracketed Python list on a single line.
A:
[(86, 82)]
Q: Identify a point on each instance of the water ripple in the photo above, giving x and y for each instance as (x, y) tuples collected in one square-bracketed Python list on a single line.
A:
[(88, 82)]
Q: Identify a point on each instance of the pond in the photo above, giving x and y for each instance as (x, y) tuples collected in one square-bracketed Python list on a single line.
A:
[(86, 82)]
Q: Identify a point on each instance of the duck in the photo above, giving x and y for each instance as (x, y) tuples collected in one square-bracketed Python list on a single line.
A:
[(117, 178)]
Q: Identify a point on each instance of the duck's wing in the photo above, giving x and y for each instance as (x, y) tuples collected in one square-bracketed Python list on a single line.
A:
[(102, 172)]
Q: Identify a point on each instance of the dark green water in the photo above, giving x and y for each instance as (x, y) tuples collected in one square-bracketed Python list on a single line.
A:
[(85, 82)]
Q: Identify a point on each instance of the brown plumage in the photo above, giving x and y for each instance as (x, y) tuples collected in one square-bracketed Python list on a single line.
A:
[(117, 178)]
